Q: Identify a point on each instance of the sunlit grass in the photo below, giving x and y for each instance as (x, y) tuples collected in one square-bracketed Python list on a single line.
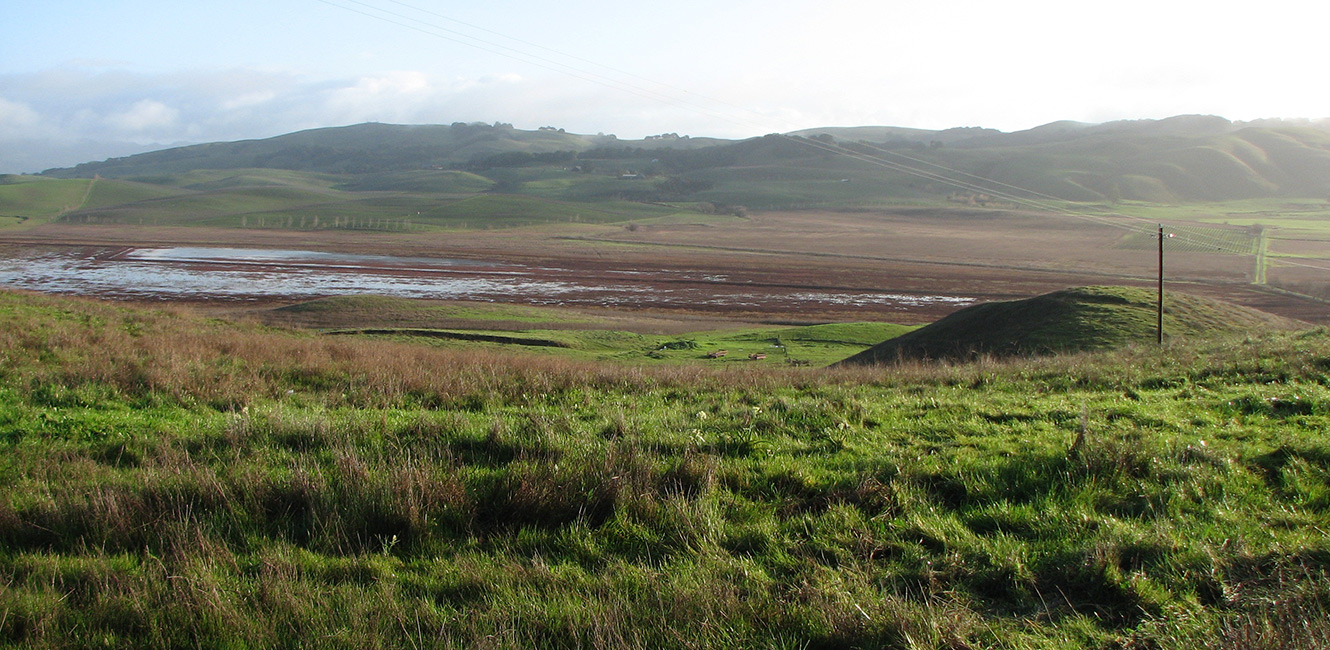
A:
[(170, 481)]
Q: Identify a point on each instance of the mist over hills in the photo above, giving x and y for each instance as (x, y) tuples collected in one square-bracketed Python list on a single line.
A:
[(1184, 158)]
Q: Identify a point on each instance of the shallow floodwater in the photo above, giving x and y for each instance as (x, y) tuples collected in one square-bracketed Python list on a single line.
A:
[(197, 273)]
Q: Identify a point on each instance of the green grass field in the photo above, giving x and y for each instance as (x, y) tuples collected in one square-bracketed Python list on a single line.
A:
[(173, 481), (215, 179), (566, 333), (29, 200), (1279, 218), (766, 346), (288, 200), (576, 334), (506, 197), (421, 182)]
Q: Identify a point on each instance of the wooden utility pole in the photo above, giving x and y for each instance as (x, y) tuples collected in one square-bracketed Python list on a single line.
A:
[(1159, 322)]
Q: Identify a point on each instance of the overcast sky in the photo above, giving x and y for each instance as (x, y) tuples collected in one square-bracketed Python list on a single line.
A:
[(84, 79)]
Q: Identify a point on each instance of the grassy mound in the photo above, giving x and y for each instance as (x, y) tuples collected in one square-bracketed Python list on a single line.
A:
[(1082, 318)]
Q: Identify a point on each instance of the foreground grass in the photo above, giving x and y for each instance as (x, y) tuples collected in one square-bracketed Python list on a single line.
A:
[(169, 481)]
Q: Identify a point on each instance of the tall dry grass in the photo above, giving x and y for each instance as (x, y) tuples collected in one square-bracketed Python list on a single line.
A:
[(166, 355), (170, 355)]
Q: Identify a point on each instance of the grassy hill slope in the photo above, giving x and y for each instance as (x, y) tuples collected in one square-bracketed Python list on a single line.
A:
[(361, 149), (171, 481), (1083, 318), (295, 200), (24, 198), (1182, 159)]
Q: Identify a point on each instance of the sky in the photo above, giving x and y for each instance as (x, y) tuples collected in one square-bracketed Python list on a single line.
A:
[(84, 80)]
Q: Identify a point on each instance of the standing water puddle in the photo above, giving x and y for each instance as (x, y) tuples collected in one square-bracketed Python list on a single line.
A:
[(198, 273)]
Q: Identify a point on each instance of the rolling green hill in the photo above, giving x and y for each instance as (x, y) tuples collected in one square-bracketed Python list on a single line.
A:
[(40, 198), (376, 174), (1083, 318), (254, 198), (1186, 158), (35, 199), (363, 149)]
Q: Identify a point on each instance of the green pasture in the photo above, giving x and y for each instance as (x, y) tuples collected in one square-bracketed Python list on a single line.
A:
[(171, 481), (384, 311), (204, 208), (813, 346), (420, 182), (505, 197), (830, 184), (577, 334), (39, 199), (220, 179), (342, 211), (268, 199), (110, 193), (1244, 213), (1230, 240)]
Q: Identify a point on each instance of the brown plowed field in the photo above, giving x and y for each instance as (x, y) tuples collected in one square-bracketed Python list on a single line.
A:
[(980, 254)]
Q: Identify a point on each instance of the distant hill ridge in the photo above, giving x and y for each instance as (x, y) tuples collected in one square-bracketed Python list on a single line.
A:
[(367, 148), (1081, 318), (1179, 159)]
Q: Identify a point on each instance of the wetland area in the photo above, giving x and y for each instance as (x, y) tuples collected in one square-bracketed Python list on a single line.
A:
[(196, 273)]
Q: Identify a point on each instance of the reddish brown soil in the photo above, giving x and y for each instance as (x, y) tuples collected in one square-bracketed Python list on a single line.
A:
[(986, 255)]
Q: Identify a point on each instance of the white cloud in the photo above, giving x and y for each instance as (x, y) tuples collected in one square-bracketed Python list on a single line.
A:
[(388, 97), (249, 100), (69, 105), (146, 116), (18, 121)]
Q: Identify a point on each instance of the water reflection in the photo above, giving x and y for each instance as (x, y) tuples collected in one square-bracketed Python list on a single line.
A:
[(249, 274)]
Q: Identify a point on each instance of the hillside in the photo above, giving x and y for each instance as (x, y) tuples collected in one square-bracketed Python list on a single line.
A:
[(364, 149), (1181, 159), (173, 481), (1083, 318)]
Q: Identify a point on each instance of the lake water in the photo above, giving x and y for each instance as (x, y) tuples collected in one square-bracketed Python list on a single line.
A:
[(200, 273)]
